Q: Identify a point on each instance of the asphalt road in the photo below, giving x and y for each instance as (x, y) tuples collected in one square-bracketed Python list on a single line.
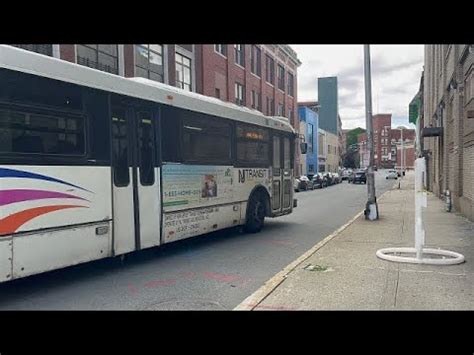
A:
[(216, 271)]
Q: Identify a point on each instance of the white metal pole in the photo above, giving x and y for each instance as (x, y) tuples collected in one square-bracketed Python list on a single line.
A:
[(403, 153)]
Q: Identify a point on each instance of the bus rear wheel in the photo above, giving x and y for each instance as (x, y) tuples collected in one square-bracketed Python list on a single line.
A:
[(255, 213)]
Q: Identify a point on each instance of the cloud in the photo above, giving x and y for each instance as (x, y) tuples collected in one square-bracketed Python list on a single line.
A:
[(396, 71)]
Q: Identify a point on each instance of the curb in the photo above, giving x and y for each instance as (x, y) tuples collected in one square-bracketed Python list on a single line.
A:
[(252, 301)]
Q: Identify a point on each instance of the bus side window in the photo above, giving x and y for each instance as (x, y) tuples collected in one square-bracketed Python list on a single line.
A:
[(120, 151), (169, 120)]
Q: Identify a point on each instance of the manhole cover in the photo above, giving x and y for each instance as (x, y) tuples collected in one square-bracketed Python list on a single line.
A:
[(185, 305)]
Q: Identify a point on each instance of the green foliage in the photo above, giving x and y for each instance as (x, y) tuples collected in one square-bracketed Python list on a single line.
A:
[(352, 135)]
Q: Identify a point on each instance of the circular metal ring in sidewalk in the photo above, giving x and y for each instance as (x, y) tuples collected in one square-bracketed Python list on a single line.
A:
[(452, 257)]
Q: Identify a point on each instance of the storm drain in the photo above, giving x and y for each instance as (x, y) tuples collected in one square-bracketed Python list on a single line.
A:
[(186, 305)]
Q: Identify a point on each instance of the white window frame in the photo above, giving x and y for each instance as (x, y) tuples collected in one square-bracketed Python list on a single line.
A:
[(191, 84), (221, 54), (242, 65), (293, 87), (239, 94)]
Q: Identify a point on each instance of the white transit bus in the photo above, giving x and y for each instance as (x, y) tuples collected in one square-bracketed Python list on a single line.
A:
[(94, 165)]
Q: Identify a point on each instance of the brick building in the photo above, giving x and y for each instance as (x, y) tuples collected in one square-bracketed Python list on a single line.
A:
[(172, 64), (261, 76), (386, 141), (409, 137), (363, 150), (448, 122)]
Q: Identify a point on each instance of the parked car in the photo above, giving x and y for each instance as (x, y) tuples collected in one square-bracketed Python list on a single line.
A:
[(329, 178), (345, 174), (296, 185), (325, 179), (336, 178), (359, 177), (392, 174), (318, 181), (303, 183), (350, 178)]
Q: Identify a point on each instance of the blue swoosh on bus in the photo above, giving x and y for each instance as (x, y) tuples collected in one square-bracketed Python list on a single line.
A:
[(11, 223), (12, 173)]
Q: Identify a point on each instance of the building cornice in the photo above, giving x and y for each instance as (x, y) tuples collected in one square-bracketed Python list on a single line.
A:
[(291, 53)]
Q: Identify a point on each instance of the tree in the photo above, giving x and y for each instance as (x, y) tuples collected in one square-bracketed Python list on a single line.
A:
[(351, 136), (351, 159)]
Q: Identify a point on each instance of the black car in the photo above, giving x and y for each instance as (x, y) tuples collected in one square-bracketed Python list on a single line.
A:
[(329, 179), (360, 177)]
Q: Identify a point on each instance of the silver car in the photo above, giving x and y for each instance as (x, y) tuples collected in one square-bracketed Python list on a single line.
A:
[(392, 174)]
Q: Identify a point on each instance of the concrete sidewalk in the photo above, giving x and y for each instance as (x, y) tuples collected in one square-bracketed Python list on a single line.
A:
[(343, 272)]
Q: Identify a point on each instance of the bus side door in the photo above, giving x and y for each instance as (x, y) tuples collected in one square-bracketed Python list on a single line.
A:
[(135, 174), (277, 172), (282, 174)]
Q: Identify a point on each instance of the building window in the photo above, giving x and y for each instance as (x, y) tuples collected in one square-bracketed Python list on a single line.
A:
[(239, 54), (103, 57), (149, 61), (270, 107), (256, 100), (270, 69), (310, 137), (46, 49), (281, 77), (469, 85), (183, 72), (281, 110), (256, 60), (290, 84), (239, 94), (221, 48)]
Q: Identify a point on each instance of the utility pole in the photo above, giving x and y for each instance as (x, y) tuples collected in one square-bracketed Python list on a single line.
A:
[(371, 209)]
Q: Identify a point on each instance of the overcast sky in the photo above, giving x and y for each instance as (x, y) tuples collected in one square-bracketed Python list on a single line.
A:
[(396, 72)]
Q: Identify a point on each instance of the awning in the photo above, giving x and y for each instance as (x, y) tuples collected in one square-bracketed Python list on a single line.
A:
[(432, 131)]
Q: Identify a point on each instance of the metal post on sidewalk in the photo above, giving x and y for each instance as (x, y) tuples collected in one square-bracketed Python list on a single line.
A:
[(403, 154), (371, 209), (402, 164)]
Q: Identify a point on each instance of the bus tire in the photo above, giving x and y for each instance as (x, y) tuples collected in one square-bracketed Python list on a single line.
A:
[(255, 213)]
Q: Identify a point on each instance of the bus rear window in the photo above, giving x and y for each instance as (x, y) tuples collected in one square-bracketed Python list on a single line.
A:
[(25, 132)]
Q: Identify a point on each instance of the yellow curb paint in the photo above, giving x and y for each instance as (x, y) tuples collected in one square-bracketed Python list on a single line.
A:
[(258, 296)]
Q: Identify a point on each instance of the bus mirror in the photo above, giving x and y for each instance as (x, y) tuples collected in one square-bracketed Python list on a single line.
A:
[(303, 147)]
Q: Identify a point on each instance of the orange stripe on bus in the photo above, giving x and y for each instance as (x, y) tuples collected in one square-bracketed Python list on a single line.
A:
[(10, 224)]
